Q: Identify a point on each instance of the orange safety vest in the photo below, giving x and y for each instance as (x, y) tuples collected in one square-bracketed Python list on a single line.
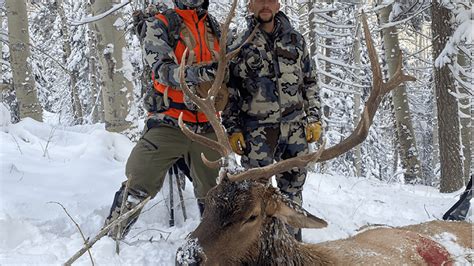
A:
[(196, 27)]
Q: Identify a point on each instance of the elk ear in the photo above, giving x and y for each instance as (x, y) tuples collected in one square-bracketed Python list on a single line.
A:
[(300, 218), (292, 214)]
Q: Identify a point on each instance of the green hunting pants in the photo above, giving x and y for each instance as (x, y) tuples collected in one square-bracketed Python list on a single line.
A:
[(158, 149)]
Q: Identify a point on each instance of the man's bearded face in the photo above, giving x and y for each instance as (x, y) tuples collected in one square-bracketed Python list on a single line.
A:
[(264, 10)]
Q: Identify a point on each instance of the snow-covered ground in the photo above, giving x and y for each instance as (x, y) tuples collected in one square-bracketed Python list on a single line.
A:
[(81, 167)]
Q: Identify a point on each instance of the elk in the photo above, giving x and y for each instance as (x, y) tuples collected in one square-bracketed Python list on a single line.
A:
[(245, 219)]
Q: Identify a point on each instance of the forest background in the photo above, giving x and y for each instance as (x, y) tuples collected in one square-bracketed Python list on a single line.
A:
[(76, 68), (63, 65)]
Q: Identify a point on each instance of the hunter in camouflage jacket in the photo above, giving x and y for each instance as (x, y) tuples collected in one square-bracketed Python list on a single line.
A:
[(271, 80), (273, 108)]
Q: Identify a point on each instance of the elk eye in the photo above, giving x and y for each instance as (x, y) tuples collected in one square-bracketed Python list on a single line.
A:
[(226, 224), (251, 219)]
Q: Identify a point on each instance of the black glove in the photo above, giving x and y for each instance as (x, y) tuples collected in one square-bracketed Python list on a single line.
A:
[(196, 74)]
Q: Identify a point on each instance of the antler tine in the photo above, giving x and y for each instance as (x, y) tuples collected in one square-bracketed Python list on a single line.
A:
[(236, 51), (222, 144), (222, 60), (279, 167), (374, 61), (211, 164), (399, 77), (201, 139), (379, 89), (184, 87)]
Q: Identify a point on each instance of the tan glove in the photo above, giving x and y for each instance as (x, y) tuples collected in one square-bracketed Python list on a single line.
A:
[(313, 132), (237, 142)]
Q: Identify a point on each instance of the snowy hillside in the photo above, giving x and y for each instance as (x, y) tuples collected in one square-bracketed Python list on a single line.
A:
[(81, 167)]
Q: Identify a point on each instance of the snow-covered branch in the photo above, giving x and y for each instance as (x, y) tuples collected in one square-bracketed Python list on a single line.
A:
[(100, 16)]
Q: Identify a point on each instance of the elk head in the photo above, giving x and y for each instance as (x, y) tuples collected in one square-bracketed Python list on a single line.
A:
[(244, 220)]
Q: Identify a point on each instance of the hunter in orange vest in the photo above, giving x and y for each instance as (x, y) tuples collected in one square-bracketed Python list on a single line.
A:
[(163, 143), (197, 36)]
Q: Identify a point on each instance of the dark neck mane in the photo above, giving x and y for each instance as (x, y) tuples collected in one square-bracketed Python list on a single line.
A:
[(278, 247)]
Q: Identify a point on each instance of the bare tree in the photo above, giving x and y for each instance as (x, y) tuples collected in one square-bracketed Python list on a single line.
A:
[(448, 116), (76, 102), (23, 79), (116, 88), (465, 119), (95, 97), (404, 127), (1, 36), (312, 27)]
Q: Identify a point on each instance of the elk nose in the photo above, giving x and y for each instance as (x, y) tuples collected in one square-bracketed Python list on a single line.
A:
[(188, 257)]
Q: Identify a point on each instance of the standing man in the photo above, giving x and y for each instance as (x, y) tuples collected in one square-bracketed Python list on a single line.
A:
[(166, 37), (274, 107)]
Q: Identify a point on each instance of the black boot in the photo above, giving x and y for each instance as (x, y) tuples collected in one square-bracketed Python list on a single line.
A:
[(133, 199)]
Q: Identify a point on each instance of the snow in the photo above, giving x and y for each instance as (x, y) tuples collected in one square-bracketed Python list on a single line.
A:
[(81, 167), (463, 32)]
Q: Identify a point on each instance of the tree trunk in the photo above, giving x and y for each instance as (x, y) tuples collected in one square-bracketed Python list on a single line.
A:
[(116, 89), (406, 134), (95, 97), (75, 101), (23, 79), (472, 136), (1, 45), (327, 52), (435, 156), (448, 116), (465, 119), (312, 28)]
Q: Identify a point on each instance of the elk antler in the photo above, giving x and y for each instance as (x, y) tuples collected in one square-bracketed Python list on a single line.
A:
[(206, 105), (379, 89)]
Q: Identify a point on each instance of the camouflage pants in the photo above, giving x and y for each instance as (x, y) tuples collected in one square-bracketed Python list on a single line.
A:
[(158, 149), (276, 142)]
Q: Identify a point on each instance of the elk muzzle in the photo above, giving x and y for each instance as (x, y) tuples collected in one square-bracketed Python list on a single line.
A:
[(190, 254)]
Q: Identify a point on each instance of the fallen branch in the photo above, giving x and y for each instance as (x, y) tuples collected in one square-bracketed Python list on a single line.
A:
[(105, 230), (153, 229), (78, 227)]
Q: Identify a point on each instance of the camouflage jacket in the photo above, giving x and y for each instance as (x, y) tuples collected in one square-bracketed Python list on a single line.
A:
[(271, 79), (160, 55)]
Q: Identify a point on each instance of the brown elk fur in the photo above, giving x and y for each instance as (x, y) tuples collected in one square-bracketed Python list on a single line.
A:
[(244, 224)]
